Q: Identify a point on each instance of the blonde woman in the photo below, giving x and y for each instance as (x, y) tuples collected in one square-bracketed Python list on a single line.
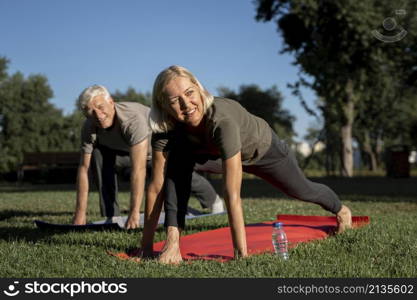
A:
[(191, 126)]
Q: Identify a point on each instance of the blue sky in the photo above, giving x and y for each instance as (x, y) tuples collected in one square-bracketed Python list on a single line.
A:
[(127, 43)]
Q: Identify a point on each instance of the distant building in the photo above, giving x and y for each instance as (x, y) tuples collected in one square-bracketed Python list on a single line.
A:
[(305, 148), (413, 157)]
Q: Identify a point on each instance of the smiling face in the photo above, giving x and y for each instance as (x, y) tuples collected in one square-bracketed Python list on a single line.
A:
[(185, 103), (102, 111)]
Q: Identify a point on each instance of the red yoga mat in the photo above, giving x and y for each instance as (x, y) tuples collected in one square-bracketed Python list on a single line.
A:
[(217, 244)]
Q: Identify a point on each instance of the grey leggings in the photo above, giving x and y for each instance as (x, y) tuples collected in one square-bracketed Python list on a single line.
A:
[(278, 166)]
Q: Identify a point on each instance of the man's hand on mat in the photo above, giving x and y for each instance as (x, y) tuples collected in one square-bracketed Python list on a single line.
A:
[(171, 254), (132, 221), (79, 219), (344, 219)]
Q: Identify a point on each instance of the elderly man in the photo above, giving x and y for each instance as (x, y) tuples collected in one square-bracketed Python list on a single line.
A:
[(116, 134)]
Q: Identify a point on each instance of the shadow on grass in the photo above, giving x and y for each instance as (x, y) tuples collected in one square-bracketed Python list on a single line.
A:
[(35, 235), (11, 213), (25, 234), (257, 188)]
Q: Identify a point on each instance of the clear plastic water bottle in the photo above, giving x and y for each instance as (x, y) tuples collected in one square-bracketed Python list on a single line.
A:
[(279, 240)]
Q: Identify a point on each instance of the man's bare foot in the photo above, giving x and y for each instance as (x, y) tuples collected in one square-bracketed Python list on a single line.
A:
[(171, 253), (344, 219)]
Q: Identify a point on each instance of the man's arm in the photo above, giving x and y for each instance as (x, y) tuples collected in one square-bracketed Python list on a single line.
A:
[(138, 154), (80, 216), (232, 180), (154, 201)]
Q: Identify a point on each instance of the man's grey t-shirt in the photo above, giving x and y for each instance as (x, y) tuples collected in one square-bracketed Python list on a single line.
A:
[(130, 128), (229, 128)]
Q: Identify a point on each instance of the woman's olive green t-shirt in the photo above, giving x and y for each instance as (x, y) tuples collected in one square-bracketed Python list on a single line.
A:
[(229, 128)]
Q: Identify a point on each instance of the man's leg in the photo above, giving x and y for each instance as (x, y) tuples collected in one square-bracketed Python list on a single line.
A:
[(202, 189), (105, 176)]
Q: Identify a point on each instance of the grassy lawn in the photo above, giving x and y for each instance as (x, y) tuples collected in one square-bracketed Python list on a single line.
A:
[(385, 248)]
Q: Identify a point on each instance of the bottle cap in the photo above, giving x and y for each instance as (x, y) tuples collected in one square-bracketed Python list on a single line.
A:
[(277, 224)]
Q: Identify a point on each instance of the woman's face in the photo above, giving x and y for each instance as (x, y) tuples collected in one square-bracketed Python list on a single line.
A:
[(184, 101)]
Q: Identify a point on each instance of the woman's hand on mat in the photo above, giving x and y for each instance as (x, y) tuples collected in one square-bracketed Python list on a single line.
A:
[(132, 221), (239, 255), (171, 253)]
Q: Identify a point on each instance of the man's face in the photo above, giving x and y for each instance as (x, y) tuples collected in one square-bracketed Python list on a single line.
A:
[(102, 111)]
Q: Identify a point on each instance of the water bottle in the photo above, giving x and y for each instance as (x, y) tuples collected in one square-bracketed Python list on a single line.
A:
[(279, 240)]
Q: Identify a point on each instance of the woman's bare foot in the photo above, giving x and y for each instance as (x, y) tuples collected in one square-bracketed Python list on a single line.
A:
[(171, 253), (344, 219)]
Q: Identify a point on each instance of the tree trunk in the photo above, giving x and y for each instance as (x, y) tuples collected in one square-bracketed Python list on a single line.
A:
[(346, 132), (347, 150), (372, 154), (374, 162)]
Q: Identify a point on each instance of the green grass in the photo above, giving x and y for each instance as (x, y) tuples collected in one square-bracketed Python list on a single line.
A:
[(385, 248)]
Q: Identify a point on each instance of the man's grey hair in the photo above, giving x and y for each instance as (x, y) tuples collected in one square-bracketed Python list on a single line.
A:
[(90, 93)]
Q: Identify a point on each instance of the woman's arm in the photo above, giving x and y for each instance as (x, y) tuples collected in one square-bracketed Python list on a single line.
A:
[(154, 201), (232, 180), (138, 154)]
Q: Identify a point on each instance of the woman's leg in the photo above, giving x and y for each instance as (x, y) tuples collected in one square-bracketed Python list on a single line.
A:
[(280, 168), (177, 189), (176, 192)]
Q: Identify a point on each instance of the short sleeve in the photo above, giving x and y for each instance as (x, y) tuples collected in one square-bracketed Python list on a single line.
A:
[(227, 138), (137, 130), (160, 142), (88, 137)]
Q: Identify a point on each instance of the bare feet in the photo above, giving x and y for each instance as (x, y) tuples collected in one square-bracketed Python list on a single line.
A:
[(344, 219), (171, 253)]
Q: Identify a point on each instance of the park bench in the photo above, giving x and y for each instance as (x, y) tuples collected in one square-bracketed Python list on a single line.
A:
[(45, 161)]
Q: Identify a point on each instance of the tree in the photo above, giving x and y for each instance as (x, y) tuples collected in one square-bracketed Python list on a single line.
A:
[(132, 95), (28, 121), (266, 104), (3, 68), (71, 131), (332, 43)]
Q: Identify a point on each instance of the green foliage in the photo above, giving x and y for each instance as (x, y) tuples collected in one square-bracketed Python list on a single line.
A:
[(3, 67), (29, 122), (353, 72), (266, 104), (132, 95)]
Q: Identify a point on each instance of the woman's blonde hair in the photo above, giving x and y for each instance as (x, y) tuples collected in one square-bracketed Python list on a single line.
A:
[(159, 119)]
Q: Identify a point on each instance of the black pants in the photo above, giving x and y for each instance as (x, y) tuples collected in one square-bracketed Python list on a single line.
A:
[(278, 166), (107, 163)]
